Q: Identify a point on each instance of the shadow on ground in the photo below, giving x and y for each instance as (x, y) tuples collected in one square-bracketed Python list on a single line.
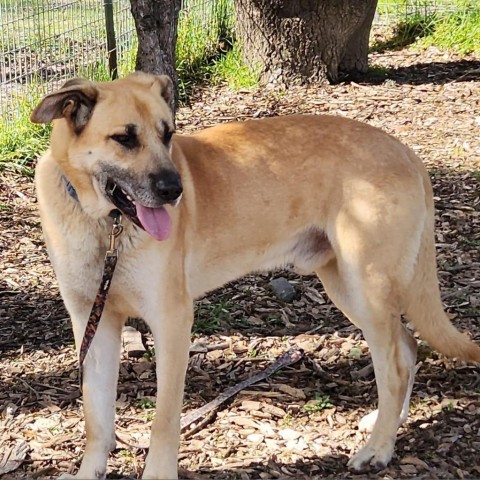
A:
[(438, 73)]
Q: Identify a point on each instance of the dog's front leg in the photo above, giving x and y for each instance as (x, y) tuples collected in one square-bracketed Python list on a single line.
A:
[(99, 391), (171, 332)]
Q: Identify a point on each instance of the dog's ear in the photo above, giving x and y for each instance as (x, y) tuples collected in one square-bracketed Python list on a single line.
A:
[(166, 88), (158, 83), (74, 101)]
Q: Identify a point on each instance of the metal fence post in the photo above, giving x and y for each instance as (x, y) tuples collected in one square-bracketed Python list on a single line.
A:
[(111, 39)]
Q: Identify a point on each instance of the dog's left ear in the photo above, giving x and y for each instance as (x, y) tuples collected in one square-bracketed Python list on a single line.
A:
[(166, 88), (74, 101)]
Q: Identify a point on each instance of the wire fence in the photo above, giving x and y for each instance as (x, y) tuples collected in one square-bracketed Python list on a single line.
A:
[(390, 12), (44, 42)]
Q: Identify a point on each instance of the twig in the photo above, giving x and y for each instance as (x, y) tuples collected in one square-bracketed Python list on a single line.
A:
[(461, 77), (288, 358)]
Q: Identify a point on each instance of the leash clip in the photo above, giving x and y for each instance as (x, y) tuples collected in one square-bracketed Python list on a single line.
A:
[(117, 229)]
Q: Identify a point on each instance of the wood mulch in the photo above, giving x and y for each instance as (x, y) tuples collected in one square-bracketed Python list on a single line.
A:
[(301, 422)]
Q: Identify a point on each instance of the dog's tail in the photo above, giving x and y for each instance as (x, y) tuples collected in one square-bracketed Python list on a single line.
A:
[(424, 306)]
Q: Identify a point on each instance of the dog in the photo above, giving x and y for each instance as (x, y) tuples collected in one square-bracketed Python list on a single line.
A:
[(327, 195)]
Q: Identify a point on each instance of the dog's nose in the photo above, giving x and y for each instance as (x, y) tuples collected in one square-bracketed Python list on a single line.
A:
[(167, 185)]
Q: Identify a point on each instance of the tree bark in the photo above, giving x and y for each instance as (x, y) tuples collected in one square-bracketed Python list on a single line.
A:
[(305, 41), (156, 24)]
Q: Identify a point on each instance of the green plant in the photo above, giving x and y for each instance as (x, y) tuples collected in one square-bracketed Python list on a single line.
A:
[(20, 140), (459, 30), (287, 419), (144, 403), (205, 33), (452, 25), (149, 354), (407, 31), (209, 316), (231, 69), (319, 403)]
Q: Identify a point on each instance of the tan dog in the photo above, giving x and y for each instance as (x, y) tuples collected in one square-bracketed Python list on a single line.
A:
[(324, 194)]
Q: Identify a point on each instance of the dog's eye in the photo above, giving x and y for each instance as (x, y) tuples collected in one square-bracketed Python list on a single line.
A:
[(129, 141), (167, 136)]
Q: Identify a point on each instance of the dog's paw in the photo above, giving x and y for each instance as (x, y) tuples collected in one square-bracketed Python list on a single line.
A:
[(371, 458), (367, 422), (99, 474)]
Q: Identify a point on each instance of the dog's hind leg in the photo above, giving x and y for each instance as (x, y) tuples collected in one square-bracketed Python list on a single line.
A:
[(171, 323), (369, 300), (99, 391), (367, 423)]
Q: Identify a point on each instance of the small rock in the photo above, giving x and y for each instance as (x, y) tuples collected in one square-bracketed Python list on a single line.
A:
[(250, 405), (132, 341), (275, 411), (283, 289), (255, 438), (293, 392), (408, 469), (198, 347), (410, 460), (289, 434)]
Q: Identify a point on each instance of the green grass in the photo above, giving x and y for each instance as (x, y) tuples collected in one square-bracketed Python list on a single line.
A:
[(20, 140), (144, 403), (209, 317), (406, 32), (457, 27), (319, 403), (231, 69), (458, 31), (206, 49)]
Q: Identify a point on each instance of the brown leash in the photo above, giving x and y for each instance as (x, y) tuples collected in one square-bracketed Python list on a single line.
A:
[(99, 304)]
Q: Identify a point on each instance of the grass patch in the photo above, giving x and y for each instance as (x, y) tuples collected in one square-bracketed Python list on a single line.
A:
[(144, 403), (206, 49), (406, 32), (458, 31), (20, 140), (319, 403), (231, 69), (209, 317), (456, 26)]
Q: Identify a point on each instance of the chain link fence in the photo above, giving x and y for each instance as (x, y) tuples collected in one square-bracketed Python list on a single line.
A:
[(44, 42)]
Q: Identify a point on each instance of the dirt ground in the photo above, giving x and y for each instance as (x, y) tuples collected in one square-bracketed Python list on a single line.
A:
[(302, 422)]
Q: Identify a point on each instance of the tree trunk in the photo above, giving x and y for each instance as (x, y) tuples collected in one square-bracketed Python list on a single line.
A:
[(305, 41), (156, 24)]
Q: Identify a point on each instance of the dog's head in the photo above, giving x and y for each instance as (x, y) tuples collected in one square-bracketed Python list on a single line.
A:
[(113, 141)]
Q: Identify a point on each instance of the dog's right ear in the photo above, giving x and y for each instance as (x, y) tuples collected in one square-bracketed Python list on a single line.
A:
[(74, 101)]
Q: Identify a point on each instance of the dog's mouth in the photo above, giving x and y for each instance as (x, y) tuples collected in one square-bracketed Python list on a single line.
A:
[(154, 220)]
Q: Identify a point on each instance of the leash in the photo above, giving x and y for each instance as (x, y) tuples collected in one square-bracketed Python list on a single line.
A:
[(109, 265)]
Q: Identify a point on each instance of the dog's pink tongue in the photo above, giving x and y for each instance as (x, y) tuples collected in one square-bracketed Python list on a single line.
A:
[(156, 221)]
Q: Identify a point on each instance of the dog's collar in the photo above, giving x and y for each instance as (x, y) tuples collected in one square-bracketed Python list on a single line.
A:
[(73, 193), (70, 189)]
